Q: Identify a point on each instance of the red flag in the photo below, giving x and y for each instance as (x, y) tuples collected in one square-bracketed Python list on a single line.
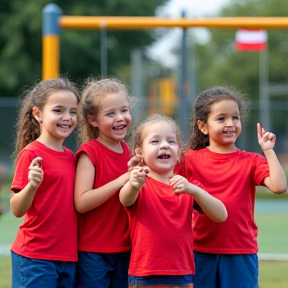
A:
[(251, 40)]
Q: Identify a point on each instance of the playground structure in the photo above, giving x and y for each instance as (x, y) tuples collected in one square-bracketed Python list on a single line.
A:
[(53, 21)]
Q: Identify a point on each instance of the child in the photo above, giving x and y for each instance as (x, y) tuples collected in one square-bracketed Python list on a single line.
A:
[(160, 207), (102, 169), (44, 253), (226, 253)]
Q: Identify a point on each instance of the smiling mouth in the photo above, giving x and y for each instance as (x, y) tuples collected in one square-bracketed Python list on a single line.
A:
[(163, 157), (119, 127), (64, 125)]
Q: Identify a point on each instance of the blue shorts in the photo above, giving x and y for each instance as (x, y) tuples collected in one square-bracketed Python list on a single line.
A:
[(103, 270), (37, 273), (225, 270), (184, 281)]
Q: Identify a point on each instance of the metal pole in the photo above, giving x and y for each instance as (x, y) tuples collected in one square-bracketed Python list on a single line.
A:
[(103, 50), (51, 47), (263, 89), (183, 87), (139, 111)]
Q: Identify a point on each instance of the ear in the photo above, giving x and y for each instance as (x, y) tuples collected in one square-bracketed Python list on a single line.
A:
[(138, 152), (202, 127), (92, 121), (37, 114)]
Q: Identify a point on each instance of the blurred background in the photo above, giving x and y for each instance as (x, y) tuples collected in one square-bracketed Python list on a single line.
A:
[(163, 68)]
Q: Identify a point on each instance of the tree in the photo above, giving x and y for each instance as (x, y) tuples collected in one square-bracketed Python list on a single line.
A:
[(21, 40), (220, 64)]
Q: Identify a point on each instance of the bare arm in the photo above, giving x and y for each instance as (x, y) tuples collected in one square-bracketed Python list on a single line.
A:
[(276, 181), (86, 198), (130, 191), (21, 202), (211, 206)]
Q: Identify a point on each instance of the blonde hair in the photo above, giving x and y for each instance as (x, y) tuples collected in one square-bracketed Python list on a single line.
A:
[(137, 135), (92, 96)]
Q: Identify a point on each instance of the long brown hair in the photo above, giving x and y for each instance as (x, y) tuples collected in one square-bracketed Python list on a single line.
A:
[(202, 107), (27, 127)]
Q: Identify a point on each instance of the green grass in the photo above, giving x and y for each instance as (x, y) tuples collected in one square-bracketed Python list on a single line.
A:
[(273, 238)]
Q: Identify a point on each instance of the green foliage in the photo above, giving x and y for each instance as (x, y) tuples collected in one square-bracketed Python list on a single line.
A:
[(21, 40), (219, 64), (226, 66)]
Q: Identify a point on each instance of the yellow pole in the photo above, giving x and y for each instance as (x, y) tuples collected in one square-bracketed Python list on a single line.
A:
[(95, 22), (50, 49)]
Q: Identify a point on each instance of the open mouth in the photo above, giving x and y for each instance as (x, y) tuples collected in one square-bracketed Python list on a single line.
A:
[(163, 157), (229, 132), (119, 127), (64, 126)]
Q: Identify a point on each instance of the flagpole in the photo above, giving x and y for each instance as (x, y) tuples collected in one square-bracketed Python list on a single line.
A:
[(264, 99)]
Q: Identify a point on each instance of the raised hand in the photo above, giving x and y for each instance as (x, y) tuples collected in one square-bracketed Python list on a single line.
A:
[(35, 175), (138, 176), (266, 139), (178, 183)]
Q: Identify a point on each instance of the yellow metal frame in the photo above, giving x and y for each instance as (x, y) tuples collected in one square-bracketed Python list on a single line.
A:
[(51, 43)]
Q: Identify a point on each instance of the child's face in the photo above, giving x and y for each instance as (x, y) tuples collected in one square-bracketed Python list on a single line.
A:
[(160, 148), (59, 116), (223, 125), (114, 118)]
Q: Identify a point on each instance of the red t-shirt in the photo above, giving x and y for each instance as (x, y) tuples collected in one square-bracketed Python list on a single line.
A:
[(232, 178), (49, 230), (105, 229), (161, 231)]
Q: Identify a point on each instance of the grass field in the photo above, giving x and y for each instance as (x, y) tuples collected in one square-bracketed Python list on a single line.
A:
[(271, 217)]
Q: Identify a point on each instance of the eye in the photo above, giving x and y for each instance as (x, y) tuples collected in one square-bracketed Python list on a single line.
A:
[(221, 118), (57, 110), (236, 117), (153, 142), (125, 110), (111, 114), (73, 112), (172, 142)]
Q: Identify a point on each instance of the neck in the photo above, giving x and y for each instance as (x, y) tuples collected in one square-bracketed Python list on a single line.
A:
[(161, 177), (112, 145)]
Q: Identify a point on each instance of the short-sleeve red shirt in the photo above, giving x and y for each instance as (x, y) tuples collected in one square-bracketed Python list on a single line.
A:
[(232, 178), (49, 230), (161, 231)]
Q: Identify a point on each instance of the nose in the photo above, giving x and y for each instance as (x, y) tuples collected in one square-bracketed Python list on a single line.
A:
[(120, 117), (164, 145), (229, 122), (66, 116)]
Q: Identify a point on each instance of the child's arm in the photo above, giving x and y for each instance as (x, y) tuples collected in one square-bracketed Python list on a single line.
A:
[(85, 197), (21, 202), (210, 205), (130, 191), (276, 181)]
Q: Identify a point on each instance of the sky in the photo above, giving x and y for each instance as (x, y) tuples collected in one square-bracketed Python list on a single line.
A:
[(161, 50)]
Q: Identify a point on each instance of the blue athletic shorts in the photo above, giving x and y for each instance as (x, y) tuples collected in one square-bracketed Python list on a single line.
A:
[(225, 270), (37, 273), (183, 281), (103, 270)]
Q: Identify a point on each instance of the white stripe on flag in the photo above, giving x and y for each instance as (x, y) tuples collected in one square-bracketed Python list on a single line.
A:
[(251, 37)]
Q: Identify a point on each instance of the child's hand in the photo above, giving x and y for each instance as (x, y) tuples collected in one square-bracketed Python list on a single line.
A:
[(138, 176), (266, 139), (178, 183), (135, 160), (35, 175)]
